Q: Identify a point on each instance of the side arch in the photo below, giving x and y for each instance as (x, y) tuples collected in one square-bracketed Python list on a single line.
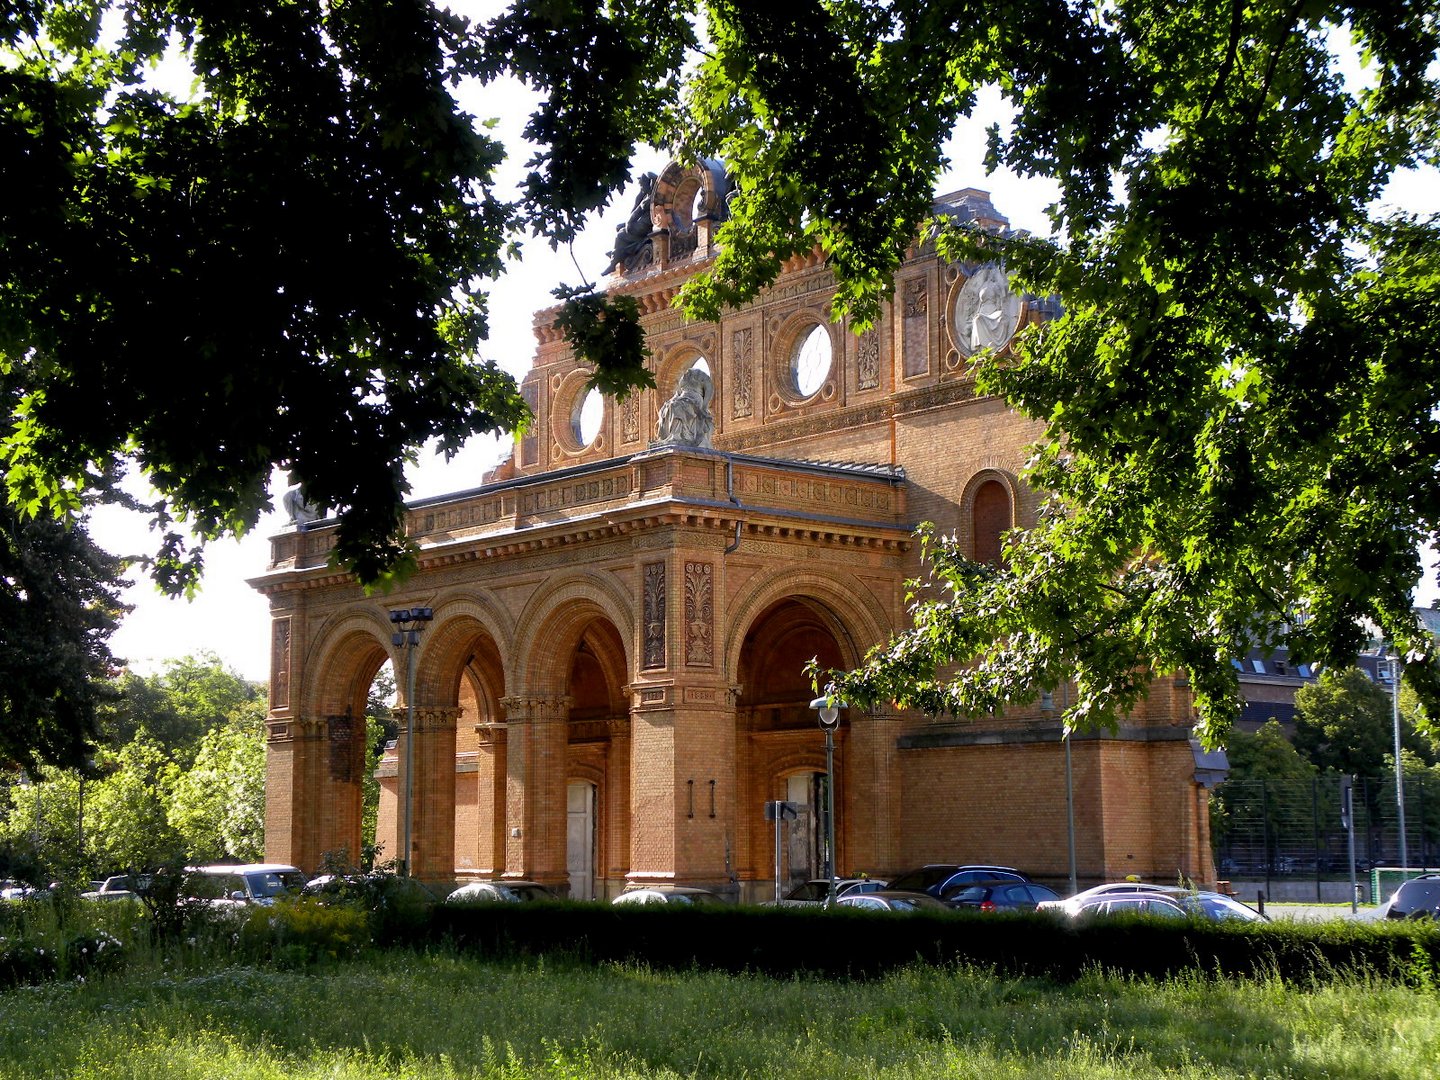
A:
[(345, 658), (854, 617), (553, 623)]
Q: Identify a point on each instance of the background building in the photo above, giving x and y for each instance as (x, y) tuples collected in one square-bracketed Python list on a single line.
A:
[(613, 683)]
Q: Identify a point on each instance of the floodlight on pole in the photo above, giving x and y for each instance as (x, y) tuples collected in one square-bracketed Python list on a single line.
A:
[(408, 623)]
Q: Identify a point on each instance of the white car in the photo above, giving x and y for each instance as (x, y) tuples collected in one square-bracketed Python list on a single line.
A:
[(668, 894), (245, 883), (505, 892)]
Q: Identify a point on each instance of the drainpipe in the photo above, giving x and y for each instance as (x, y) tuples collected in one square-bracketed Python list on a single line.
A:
[(734, 544)]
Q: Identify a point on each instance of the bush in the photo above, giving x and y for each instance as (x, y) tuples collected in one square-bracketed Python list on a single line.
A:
[(299, 932), (860, 944), (23, 963)]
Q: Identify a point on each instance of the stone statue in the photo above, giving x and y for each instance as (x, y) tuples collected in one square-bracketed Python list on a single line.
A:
[(685, 419), (300, 511), (986, 312), (631, 238)]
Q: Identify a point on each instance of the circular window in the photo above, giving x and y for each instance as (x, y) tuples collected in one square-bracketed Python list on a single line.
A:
[(585, 423), (810, 364)]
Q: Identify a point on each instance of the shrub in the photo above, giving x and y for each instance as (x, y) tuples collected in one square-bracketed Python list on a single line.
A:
[(299, 932)]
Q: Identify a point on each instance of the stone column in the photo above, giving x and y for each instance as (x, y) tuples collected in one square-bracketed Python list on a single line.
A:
[(490, 775), (432, 833), (535, 768), (615, 813)]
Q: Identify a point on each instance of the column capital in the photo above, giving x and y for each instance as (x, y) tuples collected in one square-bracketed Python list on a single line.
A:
[(538, 708), (437, 717), (490, 734)]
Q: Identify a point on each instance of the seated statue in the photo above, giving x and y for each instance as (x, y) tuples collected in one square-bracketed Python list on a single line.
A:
[(685, 419), (632, 237)]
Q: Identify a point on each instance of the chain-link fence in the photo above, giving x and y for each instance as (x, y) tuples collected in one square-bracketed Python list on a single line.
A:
[(1285, 833)]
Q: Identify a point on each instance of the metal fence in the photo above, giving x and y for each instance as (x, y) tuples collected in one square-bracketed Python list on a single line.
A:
[(1285, 832)]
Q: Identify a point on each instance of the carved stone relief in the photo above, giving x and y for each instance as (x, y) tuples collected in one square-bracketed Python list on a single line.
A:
[(699, 614), (986, 311), (630, 419), (868, 360), (744, 371), (654, 614), (915, 327), (280, 664)]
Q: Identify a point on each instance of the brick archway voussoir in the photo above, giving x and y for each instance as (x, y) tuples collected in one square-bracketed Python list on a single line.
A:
[(553, 622), (858, 613), (342, 662)]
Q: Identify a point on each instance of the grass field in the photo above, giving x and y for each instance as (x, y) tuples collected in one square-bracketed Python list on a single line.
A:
[(402, 1014)]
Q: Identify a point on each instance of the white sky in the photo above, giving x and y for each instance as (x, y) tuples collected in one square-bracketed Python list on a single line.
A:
[(231, 620)]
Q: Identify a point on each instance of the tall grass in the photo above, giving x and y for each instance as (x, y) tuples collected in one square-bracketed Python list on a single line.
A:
[(406, 1014)]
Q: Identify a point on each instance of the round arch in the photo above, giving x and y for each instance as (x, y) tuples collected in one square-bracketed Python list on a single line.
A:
[(555, 622), (447, 650), (346, 656), (854, 617), (989, 505)]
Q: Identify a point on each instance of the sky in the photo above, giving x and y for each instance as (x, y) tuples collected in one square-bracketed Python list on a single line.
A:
[(229, 619)]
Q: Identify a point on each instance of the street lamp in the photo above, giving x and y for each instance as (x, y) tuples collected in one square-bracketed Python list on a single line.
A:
[(1399, 769), (408, 623), (829, 713)]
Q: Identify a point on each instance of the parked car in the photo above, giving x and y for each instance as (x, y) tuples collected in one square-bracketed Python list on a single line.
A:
[(14, 890), (1163, 900), (119, 887), (668, 894), (504, 892), (1150, 904), (939, 878), (814, 891), (246, 883), (892, 900), (1003, 895), (1418, 898), (1072, 904)]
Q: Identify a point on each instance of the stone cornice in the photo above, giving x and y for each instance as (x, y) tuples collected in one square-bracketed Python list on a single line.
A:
[(810, 502)]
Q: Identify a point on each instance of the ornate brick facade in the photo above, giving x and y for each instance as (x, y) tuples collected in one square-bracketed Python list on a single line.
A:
[(612, 686)]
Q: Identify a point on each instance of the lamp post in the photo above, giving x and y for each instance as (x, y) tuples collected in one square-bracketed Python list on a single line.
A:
[(408, 623), (828, 710), (1399, 769)]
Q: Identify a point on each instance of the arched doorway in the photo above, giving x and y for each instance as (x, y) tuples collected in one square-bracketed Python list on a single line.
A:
[(782, 747)]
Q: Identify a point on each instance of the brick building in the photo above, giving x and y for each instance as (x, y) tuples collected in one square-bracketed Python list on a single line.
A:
[(612, 688)]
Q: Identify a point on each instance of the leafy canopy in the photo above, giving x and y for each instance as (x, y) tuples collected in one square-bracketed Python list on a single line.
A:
[(1236, 405)]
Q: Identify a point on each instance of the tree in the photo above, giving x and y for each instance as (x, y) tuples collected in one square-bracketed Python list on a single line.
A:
[(1237, 401), (280, 271), (218, 804), (59, 603), (189, 698), (1345, 722), (1265, 760)]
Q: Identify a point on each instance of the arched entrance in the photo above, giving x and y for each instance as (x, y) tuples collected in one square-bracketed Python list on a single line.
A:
[(782, 747)]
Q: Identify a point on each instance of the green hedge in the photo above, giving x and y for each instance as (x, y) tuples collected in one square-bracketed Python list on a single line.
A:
[(859, 944)]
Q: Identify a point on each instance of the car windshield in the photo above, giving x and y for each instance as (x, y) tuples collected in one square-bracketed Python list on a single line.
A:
[(811, 890), (1222, 907), (922, 879), (273, 883)]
